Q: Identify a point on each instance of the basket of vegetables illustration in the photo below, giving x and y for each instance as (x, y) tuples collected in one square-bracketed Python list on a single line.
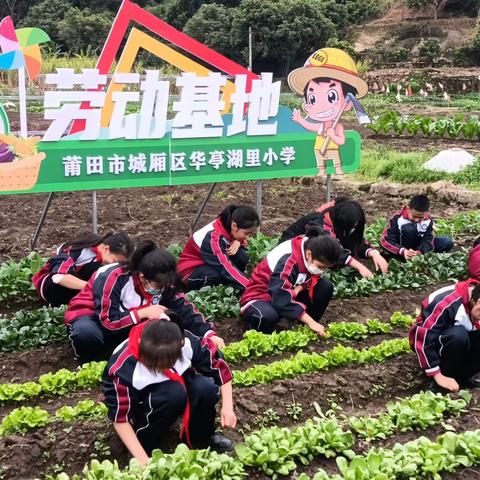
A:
[(19, 162)]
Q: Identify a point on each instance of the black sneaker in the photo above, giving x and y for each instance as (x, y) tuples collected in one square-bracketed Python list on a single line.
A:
[(220, 443), (434, 387), (469, 383)]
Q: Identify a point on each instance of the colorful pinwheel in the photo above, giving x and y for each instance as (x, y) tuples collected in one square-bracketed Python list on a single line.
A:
[(21, 51), (21, 48)]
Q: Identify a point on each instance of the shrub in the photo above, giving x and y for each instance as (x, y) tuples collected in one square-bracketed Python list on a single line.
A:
[(429, 50), (400, 54)]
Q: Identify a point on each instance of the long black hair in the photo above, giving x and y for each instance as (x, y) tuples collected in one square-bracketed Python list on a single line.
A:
[(243, 215), (157, 265), (119, 242), (324, 247), (347, 214)]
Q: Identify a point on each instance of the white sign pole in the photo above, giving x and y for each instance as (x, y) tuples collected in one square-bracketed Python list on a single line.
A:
[(22, 93), (258, 183)]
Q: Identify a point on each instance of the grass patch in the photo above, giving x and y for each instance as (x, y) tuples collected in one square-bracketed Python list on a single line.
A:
[(383, 163)]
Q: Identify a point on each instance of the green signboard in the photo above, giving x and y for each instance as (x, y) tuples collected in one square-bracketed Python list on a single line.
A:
[(99, 164)]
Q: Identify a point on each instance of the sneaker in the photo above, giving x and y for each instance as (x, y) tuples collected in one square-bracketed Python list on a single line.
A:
[(434, 387), (469, 383), (220, 443)]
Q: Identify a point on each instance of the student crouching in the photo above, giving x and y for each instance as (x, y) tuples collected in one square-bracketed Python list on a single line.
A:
[(217, 253), (74, 262), (119, 297), (288, 283), (160, 373)]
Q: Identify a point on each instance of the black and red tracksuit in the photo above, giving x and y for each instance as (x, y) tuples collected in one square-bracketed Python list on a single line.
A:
[(204, 259), (81, 263), (102, 314), (321, 218), (152, 401), (399, 226), (270, 294), (444, 337)]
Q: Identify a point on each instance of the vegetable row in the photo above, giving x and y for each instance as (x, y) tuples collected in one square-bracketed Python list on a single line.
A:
[(411, 125), (419, 458), (305, 363), (23, 419), (278, 451), (257, 344), (89, 375), (15, 277)]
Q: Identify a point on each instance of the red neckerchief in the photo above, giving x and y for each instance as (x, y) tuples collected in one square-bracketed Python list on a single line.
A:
[(139, 288), (326, 206), (297, 250), (134, 338), (328, 225), (95, 250), (184, 430)]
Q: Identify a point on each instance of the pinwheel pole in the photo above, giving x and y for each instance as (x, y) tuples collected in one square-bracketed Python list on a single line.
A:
[(21, 51), (22, 98)]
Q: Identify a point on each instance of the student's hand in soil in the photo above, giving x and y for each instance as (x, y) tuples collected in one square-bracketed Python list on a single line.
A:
[(228, 417), (409, 253), (233, 248), (219, 342), (448, 383), (365, 272), (317, 327), (379, 262)]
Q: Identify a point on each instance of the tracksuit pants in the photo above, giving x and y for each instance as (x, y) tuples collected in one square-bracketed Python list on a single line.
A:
[(459, 352), (207, 275), (261, 315), (92, 342), (409, 238), (166, 402)]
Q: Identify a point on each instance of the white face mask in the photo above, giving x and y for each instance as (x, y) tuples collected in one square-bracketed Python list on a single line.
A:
[(314, 270)]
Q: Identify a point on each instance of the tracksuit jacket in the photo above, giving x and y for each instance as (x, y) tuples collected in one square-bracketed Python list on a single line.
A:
[(275, 277), (445, 308), (208, 246), (81, 263), (391, 236), (321, 218), (114, 295), (126, 380)]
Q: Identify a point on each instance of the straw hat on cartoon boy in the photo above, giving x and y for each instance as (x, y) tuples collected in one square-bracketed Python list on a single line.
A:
[(330, 63)]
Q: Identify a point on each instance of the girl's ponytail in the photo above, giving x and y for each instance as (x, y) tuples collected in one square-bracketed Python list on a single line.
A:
[(244, 216), (143, 248), (226, 217)]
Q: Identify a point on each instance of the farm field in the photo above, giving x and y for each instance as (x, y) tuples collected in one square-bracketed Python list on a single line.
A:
[(352, 405), (372, 367)]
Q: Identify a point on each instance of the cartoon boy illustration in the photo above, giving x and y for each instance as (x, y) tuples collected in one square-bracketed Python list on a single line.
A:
[(327, 77)]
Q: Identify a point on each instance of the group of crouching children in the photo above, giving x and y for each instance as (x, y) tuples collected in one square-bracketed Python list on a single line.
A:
[(127, 304)]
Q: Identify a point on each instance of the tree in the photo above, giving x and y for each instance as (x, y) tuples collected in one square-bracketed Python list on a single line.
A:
[(284, 33), (213, 25), (15, 8), (437, 4), (47, 15), (81, 30)]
